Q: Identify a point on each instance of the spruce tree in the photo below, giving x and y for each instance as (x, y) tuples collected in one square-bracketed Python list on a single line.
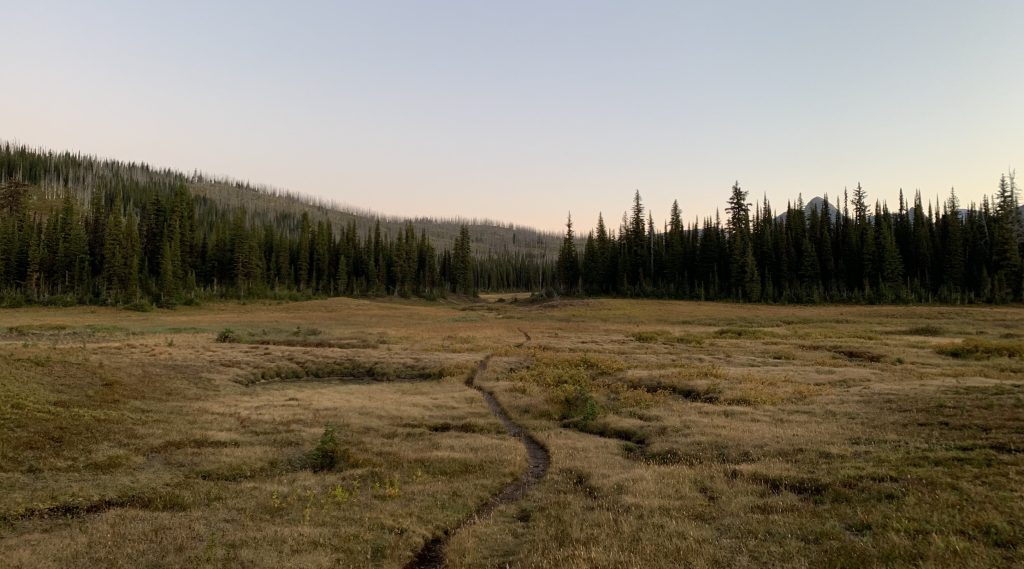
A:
[(304, 253), (115, 277), (568, 261), (462, 277), (953, 253), (1006, 258), (741, 256)]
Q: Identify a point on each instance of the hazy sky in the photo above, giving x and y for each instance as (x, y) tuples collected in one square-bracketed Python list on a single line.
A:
[(523, 110)]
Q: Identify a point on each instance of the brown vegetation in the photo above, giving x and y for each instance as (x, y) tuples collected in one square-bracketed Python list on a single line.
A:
[(341, 433)]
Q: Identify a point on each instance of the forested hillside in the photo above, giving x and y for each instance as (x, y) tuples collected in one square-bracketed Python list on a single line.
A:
[(488, 237), (75, 229), (859, 253)]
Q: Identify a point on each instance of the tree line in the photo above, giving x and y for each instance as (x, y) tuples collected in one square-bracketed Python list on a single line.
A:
[(848, 252), (76, 229), (120, 252), (141, 237)]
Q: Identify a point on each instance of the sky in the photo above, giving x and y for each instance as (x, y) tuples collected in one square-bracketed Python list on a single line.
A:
[(526, 111)]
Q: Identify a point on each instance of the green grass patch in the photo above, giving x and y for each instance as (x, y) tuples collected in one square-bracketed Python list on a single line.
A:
[(352, 369), (305, 337), (665, 337)]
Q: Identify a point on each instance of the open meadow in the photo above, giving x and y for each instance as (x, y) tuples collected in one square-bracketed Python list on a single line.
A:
[(350, 433)]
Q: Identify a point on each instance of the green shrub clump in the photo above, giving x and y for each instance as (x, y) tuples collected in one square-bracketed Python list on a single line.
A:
[(978, 349), (328, 454), (577, 405)]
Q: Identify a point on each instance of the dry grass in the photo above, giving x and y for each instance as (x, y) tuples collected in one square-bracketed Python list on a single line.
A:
[(681, 434)]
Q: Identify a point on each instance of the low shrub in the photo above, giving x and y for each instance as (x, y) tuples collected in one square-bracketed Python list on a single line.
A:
[(139, 306), (740, 333), (328, 454), (926, 330), (609, 431), (665, 337), (577, 405), (979, 349)]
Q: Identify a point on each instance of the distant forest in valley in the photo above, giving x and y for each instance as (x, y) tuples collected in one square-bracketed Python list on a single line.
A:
[(76, 229)]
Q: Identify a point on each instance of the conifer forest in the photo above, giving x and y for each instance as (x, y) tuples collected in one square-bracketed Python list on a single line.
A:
[(79, 230)]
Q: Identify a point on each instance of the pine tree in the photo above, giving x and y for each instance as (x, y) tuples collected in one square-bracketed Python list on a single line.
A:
[(606, 263), (168, 282), (73, 251), (742, 268), (590, 274), (341, 278), (36, 255), (304, 253), (890, 264), (1006, 258), (568, 261), (115, 277), (636, 253), (860, 205), (953, 253), (461, 263)]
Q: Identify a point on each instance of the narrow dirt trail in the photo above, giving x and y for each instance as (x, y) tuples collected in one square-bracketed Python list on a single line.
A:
[(432, 555)]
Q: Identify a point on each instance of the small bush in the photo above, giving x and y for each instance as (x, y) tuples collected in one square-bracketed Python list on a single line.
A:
[(577, 405), (10, 300), (139, 306), (978, 349), (227, 335), (861, 355), (706, 393), (927, 330), (740, 333), (328, 454), (665, 337)]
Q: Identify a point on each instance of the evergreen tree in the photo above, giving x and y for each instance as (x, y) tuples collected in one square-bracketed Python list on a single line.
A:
[(304, 253), (115, 274), (568, 261), (462, 275), (1006, 258), (742, 267), (953, 251)]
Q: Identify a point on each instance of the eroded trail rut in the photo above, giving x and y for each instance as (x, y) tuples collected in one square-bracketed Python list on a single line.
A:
[(432, 555)]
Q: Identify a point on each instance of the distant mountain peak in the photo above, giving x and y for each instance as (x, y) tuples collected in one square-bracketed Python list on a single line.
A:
[(816, 202)]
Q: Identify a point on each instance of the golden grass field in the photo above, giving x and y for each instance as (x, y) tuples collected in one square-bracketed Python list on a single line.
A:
[(680, 434)]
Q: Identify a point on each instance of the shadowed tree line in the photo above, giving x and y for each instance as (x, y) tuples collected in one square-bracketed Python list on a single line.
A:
[(848, 252), (141, 237), (76, 229)]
